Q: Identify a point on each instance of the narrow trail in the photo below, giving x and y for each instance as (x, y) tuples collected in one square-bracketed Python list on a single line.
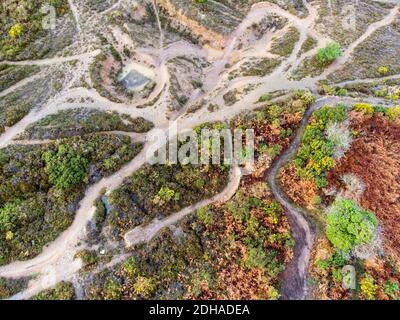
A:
[(113, 7), (76, 15), (154, 3), (21, 84), (66, 244), (350, 50), (295, 275), (367, 80), (146, 233), (56, 60)]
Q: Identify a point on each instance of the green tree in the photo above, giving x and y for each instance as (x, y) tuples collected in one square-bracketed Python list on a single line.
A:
[(67, 168), (8, 216), (328, 54), (256, 258), (205, 215), (112, 289), (130, 266), (166, 195), (348, 225), (392, 290)]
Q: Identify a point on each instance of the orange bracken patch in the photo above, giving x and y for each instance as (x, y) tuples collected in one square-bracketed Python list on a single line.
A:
[(375, 158)]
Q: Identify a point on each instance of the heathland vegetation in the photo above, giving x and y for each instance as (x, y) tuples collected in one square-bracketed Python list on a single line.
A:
[(41, 186)]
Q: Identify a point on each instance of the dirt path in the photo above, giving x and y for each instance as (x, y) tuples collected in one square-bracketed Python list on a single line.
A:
[(154, 3), (66, 244), (56, 262), (76, 15), (148, 232), (295, 275), (367, 80), (350, 50), (21, 83), (55, 60)]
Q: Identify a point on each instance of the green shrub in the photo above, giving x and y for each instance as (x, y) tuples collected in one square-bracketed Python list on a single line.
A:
[(166, 195), (273, 151), (112, 289), (368, 287), (305, 96), (264, 98), (315, 156), (327, 115), (9, 216), (256, 258), (393, 113), (131, 267), (15, 31), (328, 54), (348, 225), (205, 215), (144, 287), (383, 70), (274, 211), (342, 92), (364, 107), (379, 109), (200, 279), (381, 93), (62, 291), (391, 289), (66, 168), (89, 258)]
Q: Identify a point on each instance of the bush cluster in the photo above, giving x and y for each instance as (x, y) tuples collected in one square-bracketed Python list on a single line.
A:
[(316, 154)]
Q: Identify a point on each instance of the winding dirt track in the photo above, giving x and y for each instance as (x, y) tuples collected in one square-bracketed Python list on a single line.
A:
[(146, 233), (296, 273), (55, 60), (295, 276), (76, 15)]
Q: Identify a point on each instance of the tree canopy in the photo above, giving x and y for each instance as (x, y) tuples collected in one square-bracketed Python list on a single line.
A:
[(349, 225)]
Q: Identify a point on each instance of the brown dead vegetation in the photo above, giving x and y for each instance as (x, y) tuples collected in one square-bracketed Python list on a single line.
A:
[(375, 158), (300, 191)]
